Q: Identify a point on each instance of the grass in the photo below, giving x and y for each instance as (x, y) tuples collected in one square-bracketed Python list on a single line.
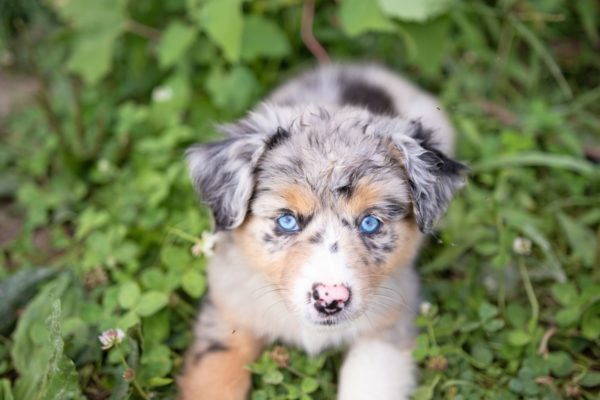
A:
[(101, 230)]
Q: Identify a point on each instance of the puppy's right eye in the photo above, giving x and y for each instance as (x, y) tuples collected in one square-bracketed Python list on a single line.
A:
[(288, 223), (369, 225)]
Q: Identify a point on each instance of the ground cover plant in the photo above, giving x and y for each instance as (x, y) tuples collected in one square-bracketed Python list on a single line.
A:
[(100, 229)]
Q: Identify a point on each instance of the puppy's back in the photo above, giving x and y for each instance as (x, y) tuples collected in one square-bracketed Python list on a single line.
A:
[(369, 86)]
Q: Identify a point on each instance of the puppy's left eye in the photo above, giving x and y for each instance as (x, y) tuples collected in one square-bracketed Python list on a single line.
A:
[(288, 223), (369, 224)]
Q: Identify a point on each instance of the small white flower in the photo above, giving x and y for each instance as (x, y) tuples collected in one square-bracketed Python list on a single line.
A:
[(197, 249), (205, 245), (104, 165), (425, 308), (522, 246), (208, 243), (162, 93), (111, 337)]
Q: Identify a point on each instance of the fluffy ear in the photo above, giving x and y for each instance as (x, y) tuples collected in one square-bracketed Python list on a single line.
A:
[(221, 173), (433, 176)]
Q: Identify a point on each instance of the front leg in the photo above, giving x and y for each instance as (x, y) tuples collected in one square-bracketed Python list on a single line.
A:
[(376, 369), (215, 364)]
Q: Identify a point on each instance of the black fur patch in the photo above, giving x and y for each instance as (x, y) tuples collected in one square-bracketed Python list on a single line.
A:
[(374, 99), (440, 163), (214, 347), (278, 138), (334, 247)]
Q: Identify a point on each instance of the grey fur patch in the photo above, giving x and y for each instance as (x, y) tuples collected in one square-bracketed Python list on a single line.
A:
[(334, 247)]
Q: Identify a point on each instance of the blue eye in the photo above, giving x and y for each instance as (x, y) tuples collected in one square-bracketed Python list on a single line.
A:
[(369, 224), (288, 223)]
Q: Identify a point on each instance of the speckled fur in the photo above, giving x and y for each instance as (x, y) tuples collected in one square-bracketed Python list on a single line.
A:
[(331, 146)]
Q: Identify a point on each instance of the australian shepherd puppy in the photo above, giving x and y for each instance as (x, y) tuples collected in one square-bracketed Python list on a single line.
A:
[(321, 196)]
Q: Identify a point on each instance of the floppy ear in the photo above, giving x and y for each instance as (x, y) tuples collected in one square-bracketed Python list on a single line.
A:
[(432, 175), (222, 174)]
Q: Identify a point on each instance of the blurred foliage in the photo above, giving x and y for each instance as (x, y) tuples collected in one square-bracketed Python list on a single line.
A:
[(93, 171)]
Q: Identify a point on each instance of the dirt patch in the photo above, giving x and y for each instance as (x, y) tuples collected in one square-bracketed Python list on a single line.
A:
[(16, 90)]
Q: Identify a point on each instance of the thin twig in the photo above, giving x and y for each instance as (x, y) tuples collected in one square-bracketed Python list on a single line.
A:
[(308, 37), (543, 349), (142, 30)]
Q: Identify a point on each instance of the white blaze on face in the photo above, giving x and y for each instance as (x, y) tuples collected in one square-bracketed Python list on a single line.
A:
[(328, 268)]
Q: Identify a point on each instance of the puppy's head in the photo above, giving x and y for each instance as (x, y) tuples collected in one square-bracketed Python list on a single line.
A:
[(326, 203)]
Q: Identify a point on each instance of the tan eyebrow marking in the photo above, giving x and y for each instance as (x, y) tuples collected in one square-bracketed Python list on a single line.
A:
[(299, 199), (364, 196)]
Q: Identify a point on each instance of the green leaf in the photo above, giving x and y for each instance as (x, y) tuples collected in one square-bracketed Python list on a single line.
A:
[(92, 56), (590, 322), (232, 90), (273, 377), (482, 353), (91, 14), (564, 293), (176, 258), (99, 24), (493, 325), (44, 371), (130, 319), (223, 22), (537, 159), (176, 40), (360, 16), (129, 294), (5, 390), (424, 392), (590, 379), (150, 303), (487, 311), (193, 283), (16, 290), (421, 350), (427, 44), (263, 38), (309, 385), (560, 363), (411, 10), (581, 239), (568, 315), (159, 381), (518, 338)]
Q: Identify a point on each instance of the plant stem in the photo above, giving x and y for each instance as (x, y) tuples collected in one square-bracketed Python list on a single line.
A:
[(535, 307), (134, 382), (183, 235)]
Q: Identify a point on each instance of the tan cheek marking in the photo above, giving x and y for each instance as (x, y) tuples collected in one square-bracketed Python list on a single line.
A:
[(281, 268), (299, 199), (364, 196)]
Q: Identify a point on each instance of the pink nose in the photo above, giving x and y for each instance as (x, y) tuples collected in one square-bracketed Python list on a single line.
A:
[(329, 293), (330, 299)]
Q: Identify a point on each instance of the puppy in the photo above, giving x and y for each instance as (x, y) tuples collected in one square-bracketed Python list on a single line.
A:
[(321, 197)]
